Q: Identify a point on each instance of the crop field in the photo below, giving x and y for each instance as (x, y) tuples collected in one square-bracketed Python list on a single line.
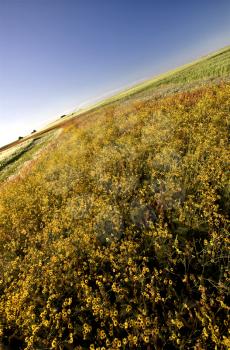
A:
[(13, 158), (117, 235), (214, 66), (8, 154)]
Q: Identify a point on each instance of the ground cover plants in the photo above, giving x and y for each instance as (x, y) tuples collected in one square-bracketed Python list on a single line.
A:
[(13, 153), (117, 236), (14, 158)]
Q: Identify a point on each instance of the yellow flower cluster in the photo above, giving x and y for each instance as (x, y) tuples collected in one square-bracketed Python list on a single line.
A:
[(118, 235)]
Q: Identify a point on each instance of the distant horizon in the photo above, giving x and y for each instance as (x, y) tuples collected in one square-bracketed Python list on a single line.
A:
[(61, 56), (94, 100)]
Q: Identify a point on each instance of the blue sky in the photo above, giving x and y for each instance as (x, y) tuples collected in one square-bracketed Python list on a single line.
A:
[(57, 54)]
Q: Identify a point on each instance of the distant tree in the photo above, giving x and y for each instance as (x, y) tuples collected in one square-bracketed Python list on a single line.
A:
[(62, 116), (33, 131), (20, 137)]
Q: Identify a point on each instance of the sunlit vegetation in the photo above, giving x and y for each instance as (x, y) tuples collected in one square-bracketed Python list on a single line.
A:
[(12, 151), (212, 67), (117, 237), (14, 158)]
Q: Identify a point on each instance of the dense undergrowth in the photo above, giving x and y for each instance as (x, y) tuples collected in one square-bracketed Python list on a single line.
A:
[(117, 237)]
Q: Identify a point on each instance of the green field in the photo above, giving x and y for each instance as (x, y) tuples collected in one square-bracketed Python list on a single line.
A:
[(213, 66), (13, 158)]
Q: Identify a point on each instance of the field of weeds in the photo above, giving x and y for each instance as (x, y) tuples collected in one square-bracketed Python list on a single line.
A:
[(118, 235)]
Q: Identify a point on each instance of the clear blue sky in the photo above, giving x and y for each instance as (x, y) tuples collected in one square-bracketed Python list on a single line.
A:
[(56, 54)]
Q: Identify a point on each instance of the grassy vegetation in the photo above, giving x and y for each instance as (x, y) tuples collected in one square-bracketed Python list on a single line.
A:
[(211, 67), (208, 68), (9, 154), (118, 236), (12, 159)]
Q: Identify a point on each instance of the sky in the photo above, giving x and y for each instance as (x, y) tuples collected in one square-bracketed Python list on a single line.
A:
[(57, 55)]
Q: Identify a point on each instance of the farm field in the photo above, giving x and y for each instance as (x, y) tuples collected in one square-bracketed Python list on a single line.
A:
[(14, 158), (116, 235), (215, 66)]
